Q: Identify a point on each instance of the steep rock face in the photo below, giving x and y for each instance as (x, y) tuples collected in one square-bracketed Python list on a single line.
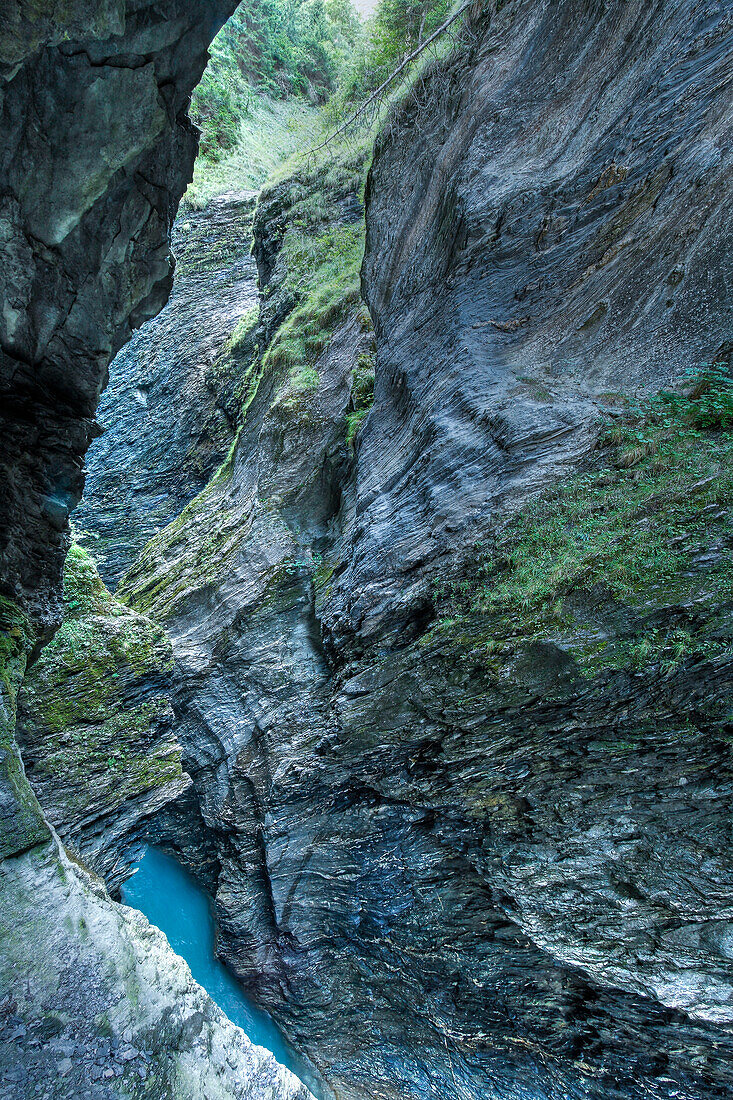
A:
[(168, 412), (486, 856), (96, 151), (104, 1007), (547, 225), (95, 725), (21, 819), (495, 861), (232, 581)]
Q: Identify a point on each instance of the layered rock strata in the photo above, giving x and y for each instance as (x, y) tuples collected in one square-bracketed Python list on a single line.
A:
[(482, 852), (169, 412), (482, 848), (96, 151)]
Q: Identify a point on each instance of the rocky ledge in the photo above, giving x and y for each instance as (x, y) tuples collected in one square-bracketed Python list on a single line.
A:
[(104, 1008)]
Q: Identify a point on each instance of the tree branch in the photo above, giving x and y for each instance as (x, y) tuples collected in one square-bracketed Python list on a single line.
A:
[(391, 78)]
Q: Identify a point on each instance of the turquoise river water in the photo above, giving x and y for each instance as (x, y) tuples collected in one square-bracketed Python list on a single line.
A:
[(174, 902)]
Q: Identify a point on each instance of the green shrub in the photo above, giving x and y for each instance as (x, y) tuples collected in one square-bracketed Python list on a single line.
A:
[(395, 29), (711, 399), (322, 261), (650, 423)]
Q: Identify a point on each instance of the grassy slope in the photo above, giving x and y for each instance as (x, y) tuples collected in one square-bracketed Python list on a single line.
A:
[(626, 565), (270, 133)]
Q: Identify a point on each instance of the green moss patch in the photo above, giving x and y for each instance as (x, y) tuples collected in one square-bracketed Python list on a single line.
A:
[(95, 715), (627, 564), (320, 257)]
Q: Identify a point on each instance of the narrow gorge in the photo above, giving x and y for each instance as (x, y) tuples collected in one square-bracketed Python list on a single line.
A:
[(366, 548)]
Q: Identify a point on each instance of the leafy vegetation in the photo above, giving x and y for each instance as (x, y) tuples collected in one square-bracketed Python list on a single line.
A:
[(271, 132), (323, 272), (362, 395), (84, 590), (277, 48), (640, 531), (394, 31)]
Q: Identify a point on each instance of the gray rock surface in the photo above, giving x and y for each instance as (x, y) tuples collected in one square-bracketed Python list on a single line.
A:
[(96, 726), (168, 413), (96, 151), (455, 865), (561, 234), (93, 1002), (447, 875)]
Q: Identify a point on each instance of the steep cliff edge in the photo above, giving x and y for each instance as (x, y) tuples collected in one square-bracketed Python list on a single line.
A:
[(169, 412), (96, 150), (478, 846)]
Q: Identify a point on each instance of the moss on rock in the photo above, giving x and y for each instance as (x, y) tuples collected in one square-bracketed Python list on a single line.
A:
[(95, 718), (627, 565), (296, 378)]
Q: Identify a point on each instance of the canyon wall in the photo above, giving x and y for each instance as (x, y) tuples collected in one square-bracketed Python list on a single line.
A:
[(463, 758), (96, 151), (547, 228), (483, 850), (169, 411)]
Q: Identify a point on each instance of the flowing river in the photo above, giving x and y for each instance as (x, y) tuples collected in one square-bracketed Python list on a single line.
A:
[(173, 901)]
